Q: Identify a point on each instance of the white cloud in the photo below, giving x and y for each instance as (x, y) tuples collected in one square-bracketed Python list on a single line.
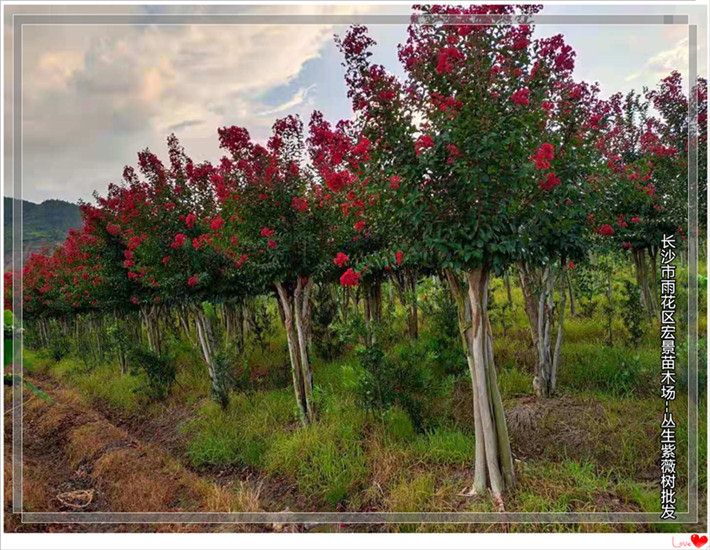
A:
[(661, 64)]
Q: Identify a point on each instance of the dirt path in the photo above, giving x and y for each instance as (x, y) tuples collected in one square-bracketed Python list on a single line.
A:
[(75, 459)]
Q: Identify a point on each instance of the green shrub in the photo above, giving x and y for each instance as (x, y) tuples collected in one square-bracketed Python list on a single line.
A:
[(403, 379), (158, 371)]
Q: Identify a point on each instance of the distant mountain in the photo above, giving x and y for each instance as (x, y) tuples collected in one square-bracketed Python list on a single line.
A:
[(43, 225)]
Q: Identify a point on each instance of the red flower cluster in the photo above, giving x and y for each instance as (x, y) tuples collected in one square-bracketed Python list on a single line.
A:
[(521, 97), (190, 219), (605, 230), (267, 232), (299, 204), (350, 278), (543, 156), (550, 182), (216, 223), (422, 143), (444, 64), (341, 259), (193, 280), (395, 182), (399, 257), (178, 240)]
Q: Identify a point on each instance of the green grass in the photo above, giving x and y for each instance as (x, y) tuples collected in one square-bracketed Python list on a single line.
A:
[(442, 446), (326, 459), (241, 434)]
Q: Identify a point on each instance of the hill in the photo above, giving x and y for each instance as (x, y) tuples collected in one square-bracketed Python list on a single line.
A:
[(43, 225)]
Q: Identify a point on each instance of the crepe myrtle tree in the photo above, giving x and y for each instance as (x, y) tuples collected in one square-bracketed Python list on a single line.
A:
[(672, 125), (646, 190), (164, 224), (385, 117), (282, 227), (553, 219), (480, 91), (340, 155)]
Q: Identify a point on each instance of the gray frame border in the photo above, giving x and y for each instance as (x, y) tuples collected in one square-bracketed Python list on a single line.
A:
[(691, 516)]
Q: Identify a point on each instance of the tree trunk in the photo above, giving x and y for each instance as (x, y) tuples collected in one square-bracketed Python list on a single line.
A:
[(543, 283), (151, 319), (372, 304), (294, 305), (648, 296), (493, 424), (570, 289), (493, 465), (406, 283), (508, 290), (205, 322), (527, 285)]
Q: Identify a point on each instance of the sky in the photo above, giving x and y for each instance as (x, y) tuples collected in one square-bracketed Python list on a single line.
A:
[(93, 96)]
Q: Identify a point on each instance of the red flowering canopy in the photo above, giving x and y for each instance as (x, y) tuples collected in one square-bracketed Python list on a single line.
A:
[(277, 221), (646, 185), (164, 225), (492, 99)]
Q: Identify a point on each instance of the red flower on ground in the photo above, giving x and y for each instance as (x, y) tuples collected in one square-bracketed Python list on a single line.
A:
[(271, 243), (635, 219), (571, 265), (359, 225), (350, 278), (395, 182), (193, 280), (399, 257), (626, 245), (341, 259)]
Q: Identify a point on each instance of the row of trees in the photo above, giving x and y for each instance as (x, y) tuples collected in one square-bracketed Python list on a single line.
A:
[(487, 158)]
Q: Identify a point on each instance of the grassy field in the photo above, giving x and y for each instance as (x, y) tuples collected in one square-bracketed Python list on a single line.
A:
[(593, 447)]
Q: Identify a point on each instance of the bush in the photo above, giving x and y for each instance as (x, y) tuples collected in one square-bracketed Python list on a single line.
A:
[(159, 372), (402, 380), (632, 313)]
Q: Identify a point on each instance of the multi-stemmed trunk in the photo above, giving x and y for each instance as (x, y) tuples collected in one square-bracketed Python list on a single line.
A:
[(538, 285), (646, 278), (406, 282), (151, 320), (206, 324), (293, 299), (493, 464)]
